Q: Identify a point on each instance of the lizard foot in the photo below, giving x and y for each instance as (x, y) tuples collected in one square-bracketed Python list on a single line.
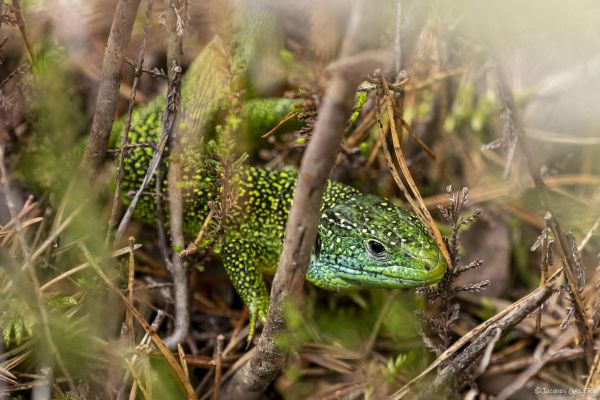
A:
[(258, 313)]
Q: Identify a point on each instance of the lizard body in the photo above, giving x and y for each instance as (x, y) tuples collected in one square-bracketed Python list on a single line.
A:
[(364, 241)]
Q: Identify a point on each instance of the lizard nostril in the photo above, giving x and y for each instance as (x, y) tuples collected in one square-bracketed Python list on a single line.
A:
[(427, 267)]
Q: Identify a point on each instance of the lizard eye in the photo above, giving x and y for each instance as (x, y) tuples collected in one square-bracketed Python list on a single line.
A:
[(375, 248)]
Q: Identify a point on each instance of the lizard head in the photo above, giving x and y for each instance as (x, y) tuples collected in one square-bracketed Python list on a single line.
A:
[(366, 241)]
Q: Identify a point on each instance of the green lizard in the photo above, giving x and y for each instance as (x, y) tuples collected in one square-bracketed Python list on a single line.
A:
[(364, 241)]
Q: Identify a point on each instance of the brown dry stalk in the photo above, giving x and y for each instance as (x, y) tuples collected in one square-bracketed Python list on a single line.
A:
[(108, 92), (543, 276), (22, 29), (414, 198), (124, 138), (12, 206), (374, 153), (593, 379), (167, 124), (418, 140), (589, 235), (130, 277), (362, 129), (192, 247), (137, 382), (253, 378), (175, 176), (285, 119), (51, 238), (183, 361), (81, 267)]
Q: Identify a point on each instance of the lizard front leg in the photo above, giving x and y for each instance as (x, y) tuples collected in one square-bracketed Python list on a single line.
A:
[(241, 258)]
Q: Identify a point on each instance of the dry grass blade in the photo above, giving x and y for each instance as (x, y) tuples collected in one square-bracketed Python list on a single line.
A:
[(589, 235), (361, 130), (175, 366), (546, 257), (218, 367), (182, 360), (192, 247), (6, 233), (9, 229), (593, 379), (51, 238), (574, 291), (415, 199), (130, 277), (11, 205), (6, 376), (417, 140), (22, 28), (138, 383), (81, 267), (285, 119)]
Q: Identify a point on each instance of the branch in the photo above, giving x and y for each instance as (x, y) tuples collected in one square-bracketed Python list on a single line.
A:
[(108, 92), (174, 53), (468, 356), (123, 147), (252, 379), (510, 313), (21, 24)]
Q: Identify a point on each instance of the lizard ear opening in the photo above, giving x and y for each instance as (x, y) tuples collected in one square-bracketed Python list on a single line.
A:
[(318, 246)]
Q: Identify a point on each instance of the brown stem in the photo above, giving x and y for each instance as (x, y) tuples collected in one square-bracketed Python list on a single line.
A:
[(108, 92), (178, 273), (22, 29), (253, 378), (124, 145)]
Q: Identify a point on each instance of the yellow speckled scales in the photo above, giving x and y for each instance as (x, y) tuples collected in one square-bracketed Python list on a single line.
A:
[(363, 240)]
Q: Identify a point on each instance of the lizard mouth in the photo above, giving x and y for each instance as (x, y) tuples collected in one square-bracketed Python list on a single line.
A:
[(392, 277), (376, 281), (349, 275)]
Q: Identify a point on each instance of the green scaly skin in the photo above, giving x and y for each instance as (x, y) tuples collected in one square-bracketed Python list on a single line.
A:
[(364, 241)]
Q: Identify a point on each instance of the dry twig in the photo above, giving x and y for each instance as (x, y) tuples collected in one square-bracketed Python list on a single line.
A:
[(482, 333), (253, 378), (108, 92), (124, 145), (176, 269)]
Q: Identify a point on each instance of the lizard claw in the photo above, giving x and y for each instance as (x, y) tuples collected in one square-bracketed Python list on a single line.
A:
[(258, 313)]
